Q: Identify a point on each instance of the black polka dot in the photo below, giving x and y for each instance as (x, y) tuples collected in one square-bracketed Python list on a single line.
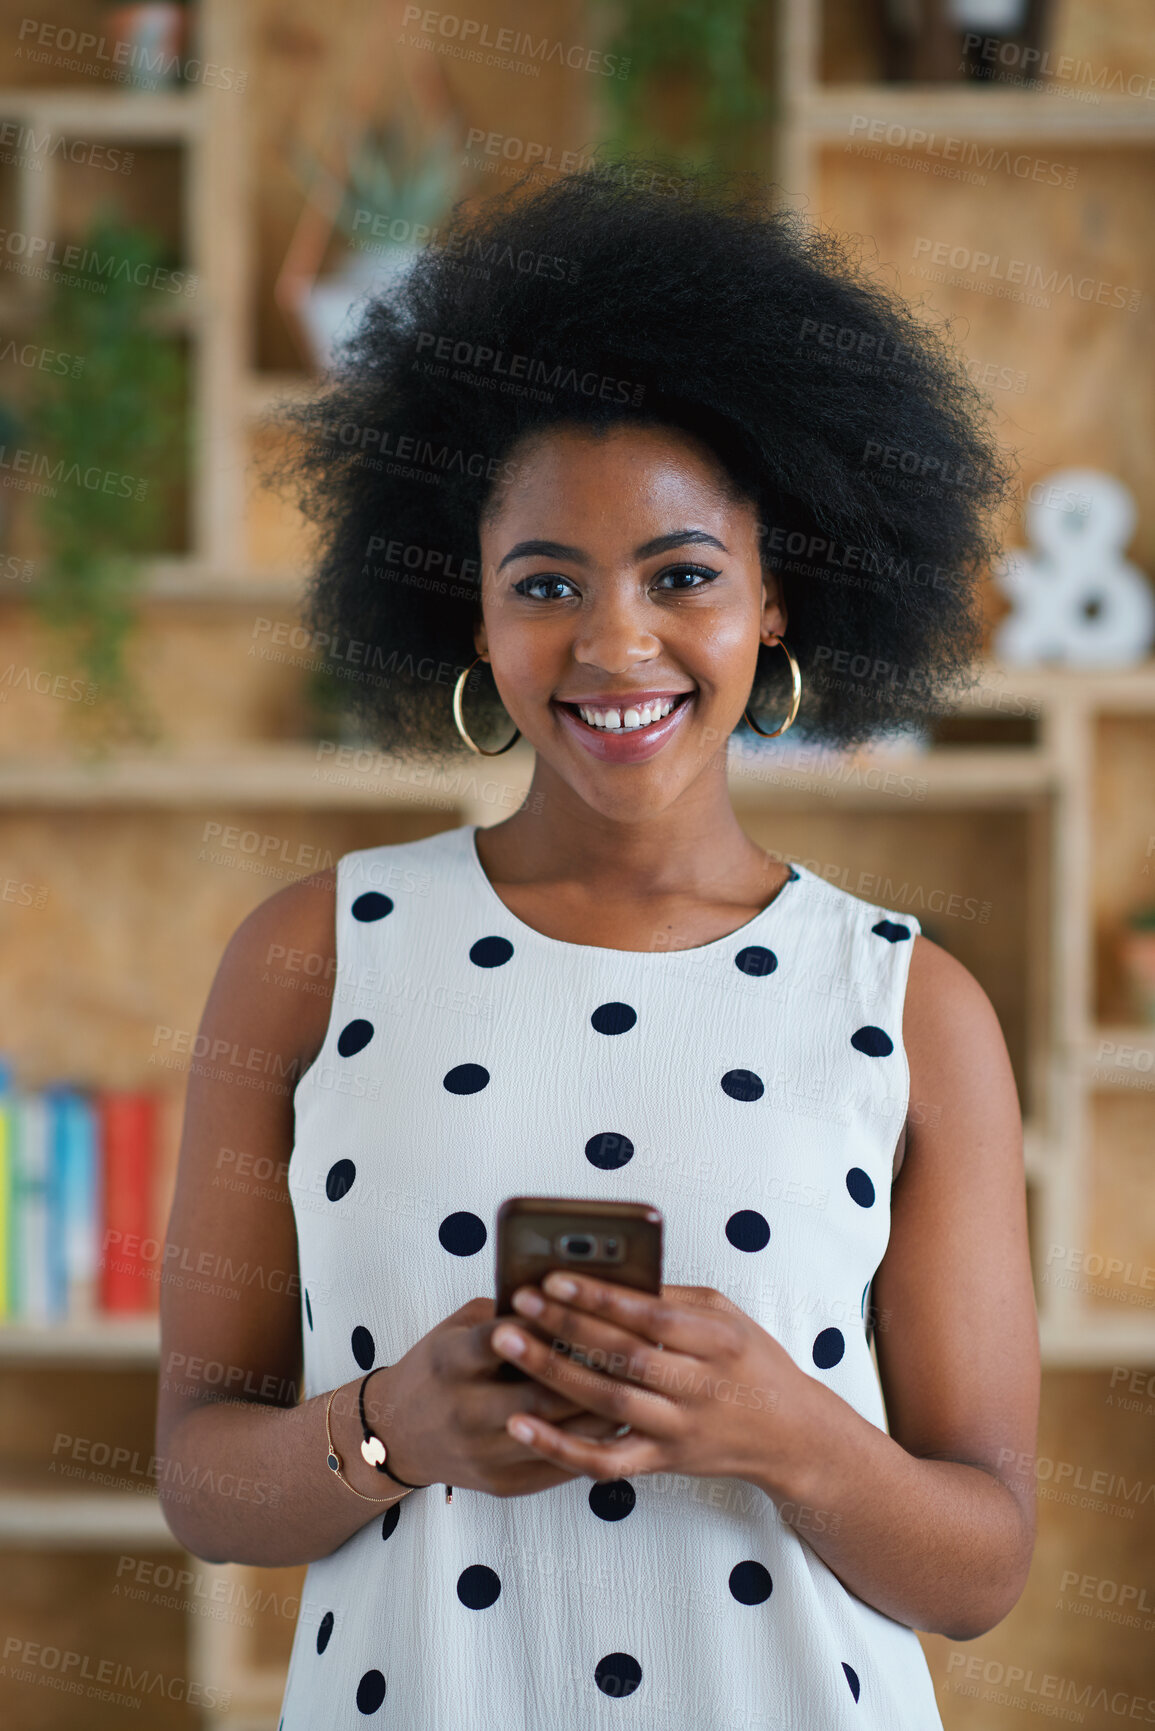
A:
[(364, 1349), (462, 1234), (466, 1079), (892, 932), (478, 1587), (608, 1150), (491, 952), (613, 1500), (390, 1519), (324, 1631), (748, 1230), (860, 1187), (340, 1180), (865, 1290), (614, 1018), (793, 875), (750, 1583), (756, 961), (852, 1679), (370, 1692), (828, 1348), (742, 1085), (617, 1674), (354, 1037), (372, 906), (308, 1310), (873, 1041)]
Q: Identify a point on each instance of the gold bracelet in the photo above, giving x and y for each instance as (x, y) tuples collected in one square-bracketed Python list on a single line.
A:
[(334, 1462)]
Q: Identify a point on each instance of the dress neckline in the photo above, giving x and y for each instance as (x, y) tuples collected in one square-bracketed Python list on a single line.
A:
[(743, 931)]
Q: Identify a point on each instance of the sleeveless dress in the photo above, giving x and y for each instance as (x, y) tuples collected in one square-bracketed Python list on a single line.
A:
[(753, 1089)]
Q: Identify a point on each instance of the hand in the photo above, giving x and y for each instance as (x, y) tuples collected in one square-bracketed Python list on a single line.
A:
[(703, 1388), (444, 1418)]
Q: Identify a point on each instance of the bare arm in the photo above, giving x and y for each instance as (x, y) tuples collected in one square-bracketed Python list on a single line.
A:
[(934, 1524), (243, 1475)]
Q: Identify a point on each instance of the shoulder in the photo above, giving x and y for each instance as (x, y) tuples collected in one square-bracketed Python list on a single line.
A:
[(302, 916), (276, 974), (948, 1019), (962, 1086)]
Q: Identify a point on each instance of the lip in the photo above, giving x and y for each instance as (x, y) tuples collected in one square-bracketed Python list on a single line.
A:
[(635, 744)]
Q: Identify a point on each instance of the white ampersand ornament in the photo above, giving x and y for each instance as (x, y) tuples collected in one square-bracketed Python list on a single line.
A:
[(1076, 601)]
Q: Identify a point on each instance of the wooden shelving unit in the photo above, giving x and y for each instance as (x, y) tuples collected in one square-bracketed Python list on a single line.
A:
[(1075, 1049)]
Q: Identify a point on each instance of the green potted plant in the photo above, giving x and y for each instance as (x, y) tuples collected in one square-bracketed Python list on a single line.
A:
[(110, 441), (10, 429), (691, 79)]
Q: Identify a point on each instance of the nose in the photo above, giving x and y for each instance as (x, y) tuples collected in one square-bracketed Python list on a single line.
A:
[(612, 633)]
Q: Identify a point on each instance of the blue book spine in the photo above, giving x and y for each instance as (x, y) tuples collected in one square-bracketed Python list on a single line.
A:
[(81, 1210), (7, 1192), (72, 1213), (32, 1185)]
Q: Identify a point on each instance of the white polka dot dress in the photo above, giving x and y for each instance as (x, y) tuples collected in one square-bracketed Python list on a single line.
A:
[(753, 1089)]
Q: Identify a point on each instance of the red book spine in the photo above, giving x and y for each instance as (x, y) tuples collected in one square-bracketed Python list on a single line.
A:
[(128, 1159)]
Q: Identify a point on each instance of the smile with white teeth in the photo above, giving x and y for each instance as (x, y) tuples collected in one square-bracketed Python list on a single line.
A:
[(613, 720)]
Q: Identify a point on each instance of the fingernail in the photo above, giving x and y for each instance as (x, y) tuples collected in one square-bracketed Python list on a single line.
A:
[(506, 1340), (560, 1285), (522, 1431), (529, 1303)]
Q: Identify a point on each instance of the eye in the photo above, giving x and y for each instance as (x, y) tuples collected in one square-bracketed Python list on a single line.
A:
[(528, 583), (690, 571)]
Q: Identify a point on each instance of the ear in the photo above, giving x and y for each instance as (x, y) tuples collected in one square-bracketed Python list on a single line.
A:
[(774, 617)]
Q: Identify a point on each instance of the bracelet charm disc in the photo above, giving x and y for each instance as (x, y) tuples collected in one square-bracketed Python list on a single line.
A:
[(373, 1451)]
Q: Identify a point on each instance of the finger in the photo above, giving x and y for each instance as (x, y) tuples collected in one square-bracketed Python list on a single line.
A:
[(582, 1454), (467, 1349), (627, 1402), (598, 1344), (680, 1324), (560, 1325), (587, 1424), (542, 1402)]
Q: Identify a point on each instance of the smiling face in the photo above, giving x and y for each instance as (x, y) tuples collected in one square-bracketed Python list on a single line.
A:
[(621, 574)]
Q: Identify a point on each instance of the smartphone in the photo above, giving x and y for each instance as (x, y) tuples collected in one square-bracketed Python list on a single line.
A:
[(622, 1241)]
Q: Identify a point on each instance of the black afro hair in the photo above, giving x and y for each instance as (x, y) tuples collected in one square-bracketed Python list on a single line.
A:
[(618, 293)]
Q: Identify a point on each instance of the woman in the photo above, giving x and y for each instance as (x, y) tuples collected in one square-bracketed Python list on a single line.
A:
[(593, 468)]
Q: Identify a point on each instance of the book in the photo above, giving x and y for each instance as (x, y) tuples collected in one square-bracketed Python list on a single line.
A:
[(73, 1203), (7, 1226), (127, 1137), (30, 1175)]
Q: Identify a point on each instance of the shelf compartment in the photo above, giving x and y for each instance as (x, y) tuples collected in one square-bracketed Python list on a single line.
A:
[(1122, 852)]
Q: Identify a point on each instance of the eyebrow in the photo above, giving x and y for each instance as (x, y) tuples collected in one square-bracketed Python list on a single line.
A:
[(660, 544)]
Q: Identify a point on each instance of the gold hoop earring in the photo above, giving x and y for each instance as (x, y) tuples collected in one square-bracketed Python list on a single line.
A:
[(459, 721), (796, 683)]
